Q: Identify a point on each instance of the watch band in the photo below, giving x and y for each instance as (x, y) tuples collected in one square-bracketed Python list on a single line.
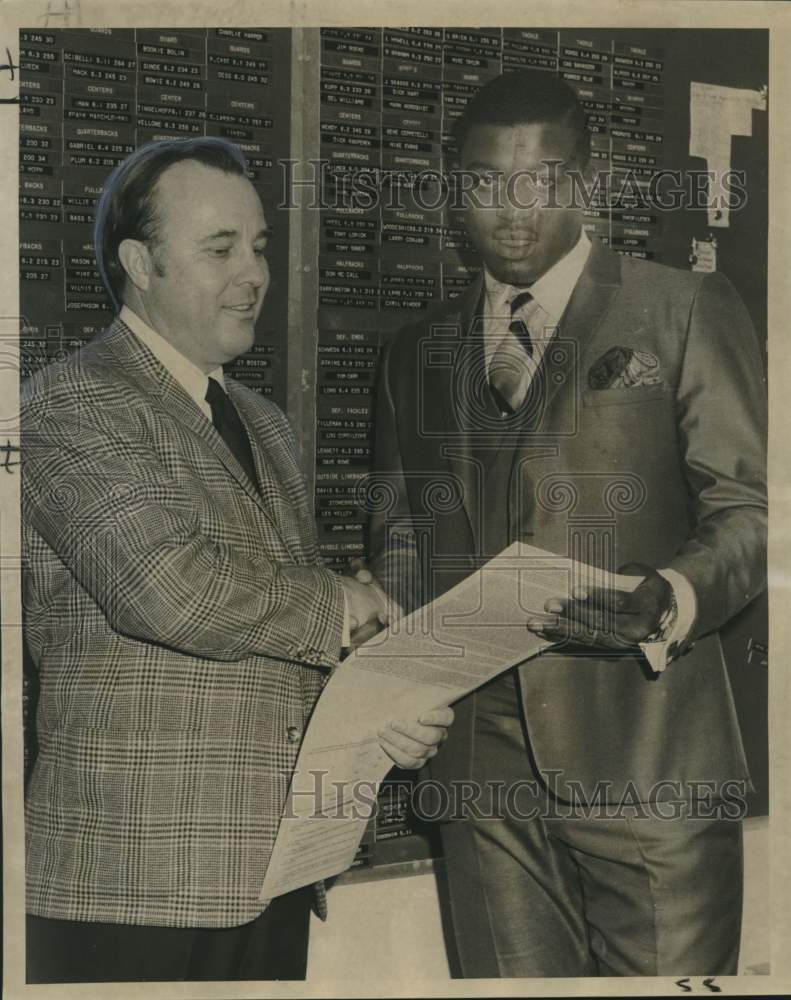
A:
[(666, 623)]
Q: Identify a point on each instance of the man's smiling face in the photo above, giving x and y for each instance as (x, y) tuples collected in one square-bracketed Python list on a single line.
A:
[(209, 273), (519, 216)]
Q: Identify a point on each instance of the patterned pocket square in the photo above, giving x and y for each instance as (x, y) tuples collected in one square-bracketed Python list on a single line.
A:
[(624, 368)]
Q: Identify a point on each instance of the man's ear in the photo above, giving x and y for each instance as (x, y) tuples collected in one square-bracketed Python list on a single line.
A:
[(136, 260)]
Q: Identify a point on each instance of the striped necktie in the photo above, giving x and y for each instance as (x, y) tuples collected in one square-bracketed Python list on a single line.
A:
[(508, 369)]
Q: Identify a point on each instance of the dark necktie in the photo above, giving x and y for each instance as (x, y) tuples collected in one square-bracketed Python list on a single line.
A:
[(518, 326), (507, 370), (230, 428)]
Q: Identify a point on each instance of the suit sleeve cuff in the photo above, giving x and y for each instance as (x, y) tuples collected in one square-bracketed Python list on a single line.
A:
[(658, 653), (346, 637)]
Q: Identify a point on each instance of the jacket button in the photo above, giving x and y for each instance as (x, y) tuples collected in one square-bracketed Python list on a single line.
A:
[(294, 734)]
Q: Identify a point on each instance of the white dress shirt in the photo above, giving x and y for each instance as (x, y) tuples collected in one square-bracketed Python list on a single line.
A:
[(551, 294), (189, 376)]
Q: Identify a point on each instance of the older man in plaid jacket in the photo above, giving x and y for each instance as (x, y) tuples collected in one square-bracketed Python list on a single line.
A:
[(177, 609)]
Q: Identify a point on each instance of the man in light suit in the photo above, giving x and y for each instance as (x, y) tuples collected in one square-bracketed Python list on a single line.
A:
[(176, 608), (610, 410)]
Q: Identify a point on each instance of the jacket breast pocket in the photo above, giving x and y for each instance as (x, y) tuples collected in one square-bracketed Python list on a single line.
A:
[(626, 396)]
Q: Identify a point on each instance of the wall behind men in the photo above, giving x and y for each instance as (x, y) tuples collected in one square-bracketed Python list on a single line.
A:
[(88, 99), (378, 107)]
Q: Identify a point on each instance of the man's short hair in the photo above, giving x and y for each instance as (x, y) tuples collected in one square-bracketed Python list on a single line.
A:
[(522, 97), (127, 207)]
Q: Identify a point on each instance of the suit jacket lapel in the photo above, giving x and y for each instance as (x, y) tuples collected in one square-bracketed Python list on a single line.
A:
[(589, 303), (462, 389), (273, 460), (145, 372), (278, 467)]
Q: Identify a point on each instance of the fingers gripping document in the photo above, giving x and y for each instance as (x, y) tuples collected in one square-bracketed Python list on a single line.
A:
[(426, 660)]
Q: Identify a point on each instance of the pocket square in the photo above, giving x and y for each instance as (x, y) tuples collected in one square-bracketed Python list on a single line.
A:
[(624, 368)]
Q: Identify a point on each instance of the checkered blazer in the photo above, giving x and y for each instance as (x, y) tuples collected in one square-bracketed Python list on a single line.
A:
[(179, 621)]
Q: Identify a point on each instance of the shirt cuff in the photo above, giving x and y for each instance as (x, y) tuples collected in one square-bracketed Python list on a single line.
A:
[(658, 653)]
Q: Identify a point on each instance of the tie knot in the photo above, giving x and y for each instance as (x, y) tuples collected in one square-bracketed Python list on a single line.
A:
[(519, 300), (214, 393)]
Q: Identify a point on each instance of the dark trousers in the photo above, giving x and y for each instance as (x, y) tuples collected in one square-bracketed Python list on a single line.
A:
[(555, 894), (273, 946)]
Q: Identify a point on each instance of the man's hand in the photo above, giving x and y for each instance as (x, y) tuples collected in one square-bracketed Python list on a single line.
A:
[(411, 744), (357, 568), (388, 611), (608, 618), (365, 602)]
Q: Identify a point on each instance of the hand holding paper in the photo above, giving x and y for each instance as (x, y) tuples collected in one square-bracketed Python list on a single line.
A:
[(411, 744), (411, 671), (607, 616), (367, 603), (370, 608)]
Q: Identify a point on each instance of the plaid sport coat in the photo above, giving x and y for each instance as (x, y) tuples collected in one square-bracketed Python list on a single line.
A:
[(180, 621)]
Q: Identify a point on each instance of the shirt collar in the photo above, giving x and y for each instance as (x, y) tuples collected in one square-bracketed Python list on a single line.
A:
[(552, 290), (189, 376)]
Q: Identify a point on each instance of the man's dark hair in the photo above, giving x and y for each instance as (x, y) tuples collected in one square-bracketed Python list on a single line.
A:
[(127, 207), (522, 97)]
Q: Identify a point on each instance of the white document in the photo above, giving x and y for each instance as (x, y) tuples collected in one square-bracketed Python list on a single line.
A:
[(426, 660)]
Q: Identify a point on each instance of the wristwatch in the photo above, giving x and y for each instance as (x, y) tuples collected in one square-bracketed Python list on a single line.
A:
[(667, 622)]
